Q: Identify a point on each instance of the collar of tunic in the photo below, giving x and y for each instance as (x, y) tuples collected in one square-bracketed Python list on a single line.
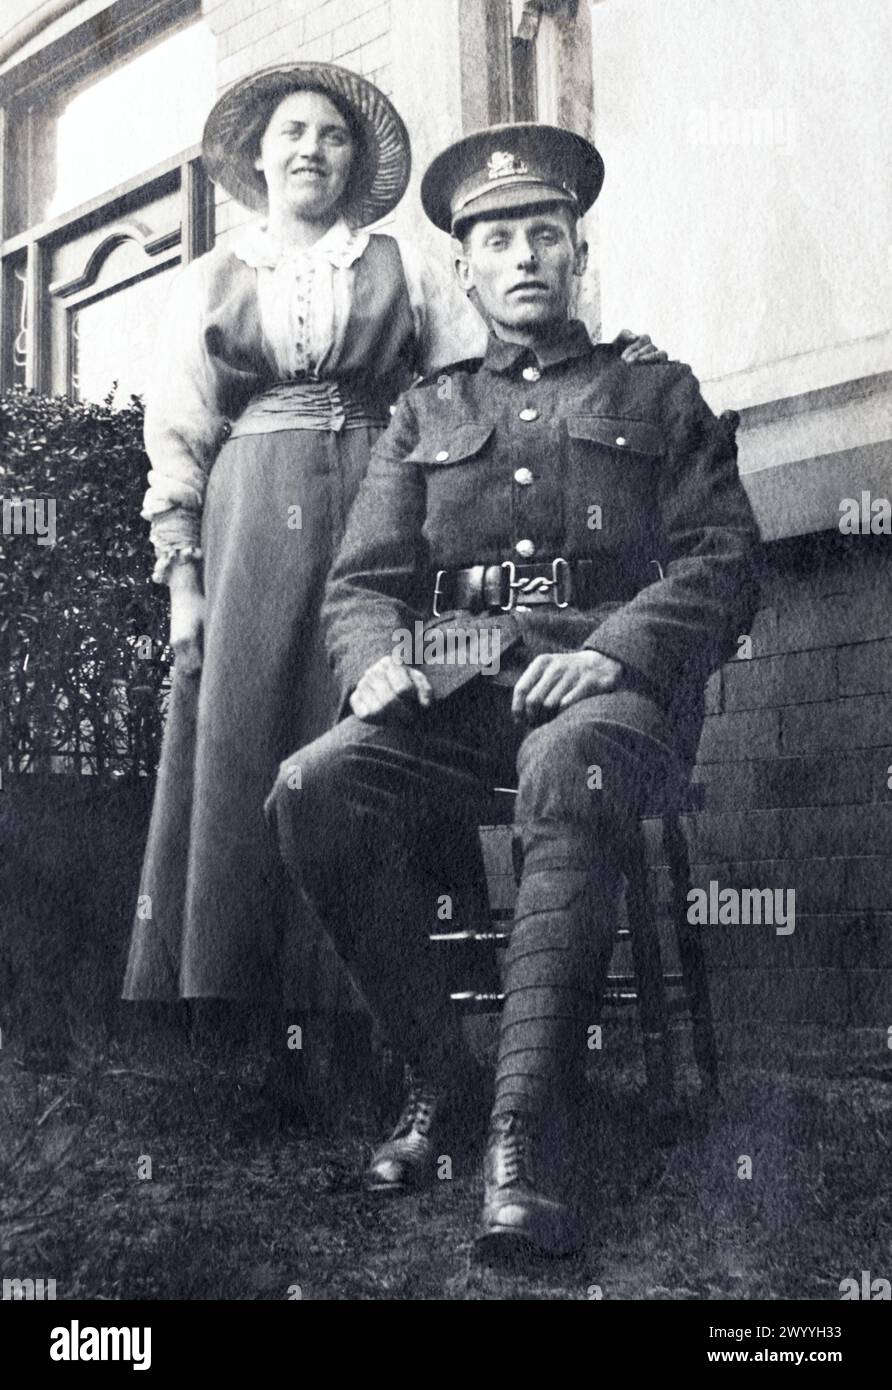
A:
[(574, 341)]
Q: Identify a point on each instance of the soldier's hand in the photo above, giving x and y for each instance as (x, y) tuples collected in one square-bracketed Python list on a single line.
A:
[(552, 682), (390, 692), (638, 349)]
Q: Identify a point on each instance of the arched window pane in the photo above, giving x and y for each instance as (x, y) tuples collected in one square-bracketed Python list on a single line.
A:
[(129, 316)]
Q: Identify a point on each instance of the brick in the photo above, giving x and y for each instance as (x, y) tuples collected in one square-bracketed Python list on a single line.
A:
[(273, 48), (836, 620), (376, 54), (834, 779), (740, 737), (865, 669), (318, 49), (840, 885), (728, 786), (279, 17), (869, 883), (833, 568), (325, 18), (802, 832), (780, 680), (811, 831), (841, 777), (735, 835), (861, 721), (221, 14), (366, 27), (351, 60), (821, 884)]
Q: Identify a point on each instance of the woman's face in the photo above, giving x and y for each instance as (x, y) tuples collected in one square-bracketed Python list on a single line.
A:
[(305, 156)]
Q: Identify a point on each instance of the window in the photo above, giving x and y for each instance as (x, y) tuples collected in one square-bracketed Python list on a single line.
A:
[(513, 54), (104, 196)]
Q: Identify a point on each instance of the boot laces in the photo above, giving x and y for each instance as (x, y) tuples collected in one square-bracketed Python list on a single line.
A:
[(417, 1113), (517, 1158)]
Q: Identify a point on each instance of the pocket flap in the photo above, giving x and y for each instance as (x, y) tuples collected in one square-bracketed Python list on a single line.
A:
[(615, 432), (454, 445)]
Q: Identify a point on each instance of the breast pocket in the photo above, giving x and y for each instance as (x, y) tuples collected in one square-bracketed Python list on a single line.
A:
[(615, 463), (461, 503)]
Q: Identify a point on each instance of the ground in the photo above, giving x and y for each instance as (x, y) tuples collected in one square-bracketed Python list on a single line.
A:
[(233, 1212)]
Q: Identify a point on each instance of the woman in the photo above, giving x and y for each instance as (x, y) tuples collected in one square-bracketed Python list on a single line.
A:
[(301, 331)]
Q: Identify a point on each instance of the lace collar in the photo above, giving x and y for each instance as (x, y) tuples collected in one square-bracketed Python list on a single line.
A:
[(341, 245)]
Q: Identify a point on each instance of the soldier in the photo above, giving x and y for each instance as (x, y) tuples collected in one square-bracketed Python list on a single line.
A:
[(591, 514)]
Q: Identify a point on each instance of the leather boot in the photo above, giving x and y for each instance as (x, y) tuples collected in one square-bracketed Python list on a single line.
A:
[(521, 1214), (435, 1121), (407, 1160)]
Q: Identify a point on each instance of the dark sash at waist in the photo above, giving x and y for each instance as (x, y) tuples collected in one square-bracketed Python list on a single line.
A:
[(308, 405)]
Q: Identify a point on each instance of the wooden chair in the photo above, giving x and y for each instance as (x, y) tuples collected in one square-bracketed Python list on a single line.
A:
[(658, 994)]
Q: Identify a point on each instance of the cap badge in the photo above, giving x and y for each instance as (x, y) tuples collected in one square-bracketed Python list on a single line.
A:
[(502, 164)]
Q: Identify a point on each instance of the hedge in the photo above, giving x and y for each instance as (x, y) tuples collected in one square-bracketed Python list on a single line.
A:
[(84, 666)]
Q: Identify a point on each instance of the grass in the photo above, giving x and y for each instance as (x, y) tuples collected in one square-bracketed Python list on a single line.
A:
[(233, 1211)]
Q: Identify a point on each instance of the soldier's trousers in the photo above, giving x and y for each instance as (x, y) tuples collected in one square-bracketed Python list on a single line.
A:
[(378, 826)]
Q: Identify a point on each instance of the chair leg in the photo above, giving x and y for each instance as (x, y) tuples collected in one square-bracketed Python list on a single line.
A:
[(693, 961), (652, 1008)]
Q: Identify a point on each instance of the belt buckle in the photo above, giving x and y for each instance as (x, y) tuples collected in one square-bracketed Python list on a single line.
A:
[(560, 570), (512, 585), (559, 583)]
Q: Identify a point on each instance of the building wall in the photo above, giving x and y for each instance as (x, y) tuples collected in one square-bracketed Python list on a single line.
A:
[(796, 765), (744, 224)]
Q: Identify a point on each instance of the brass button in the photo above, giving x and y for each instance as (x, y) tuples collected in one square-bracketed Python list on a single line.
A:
[(442, 456), (528, 413), (531, 374), (620, 439), (525, 548), (523, 476)]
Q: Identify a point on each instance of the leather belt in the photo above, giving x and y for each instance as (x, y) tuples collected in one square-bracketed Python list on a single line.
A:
[(560, 583)]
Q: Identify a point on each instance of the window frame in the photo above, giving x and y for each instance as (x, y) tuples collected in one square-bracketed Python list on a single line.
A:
[(84, 52)]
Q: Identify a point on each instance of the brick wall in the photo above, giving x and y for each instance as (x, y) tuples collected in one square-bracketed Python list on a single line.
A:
[(355, 33), (795, 761)]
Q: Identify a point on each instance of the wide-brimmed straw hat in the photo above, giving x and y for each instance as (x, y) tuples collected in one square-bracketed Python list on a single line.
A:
[(381, 167)]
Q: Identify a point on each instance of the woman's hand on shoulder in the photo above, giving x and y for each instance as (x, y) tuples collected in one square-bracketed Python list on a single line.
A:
[(637, 349)]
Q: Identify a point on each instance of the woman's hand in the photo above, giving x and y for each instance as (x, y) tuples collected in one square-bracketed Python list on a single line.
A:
[(186, 617), (637, 348)]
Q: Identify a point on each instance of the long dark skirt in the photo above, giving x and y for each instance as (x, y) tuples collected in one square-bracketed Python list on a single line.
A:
[(213, 899)]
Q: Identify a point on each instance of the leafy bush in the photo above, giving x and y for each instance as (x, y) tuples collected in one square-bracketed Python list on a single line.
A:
[(84, 668)]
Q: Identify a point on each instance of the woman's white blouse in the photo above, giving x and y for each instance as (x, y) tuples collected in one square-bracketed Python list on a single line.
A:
[(304, 299)]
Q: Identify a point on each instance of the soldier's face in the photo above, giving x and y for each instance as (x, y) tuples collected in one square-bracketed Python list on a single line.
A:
[(523, 268)]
